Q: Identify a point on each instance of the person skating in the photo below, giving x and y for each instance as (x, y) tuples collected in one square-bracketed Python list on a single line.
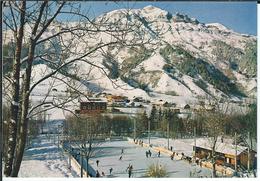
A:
[(120, 158), (172, 155), (150, 153), (122, 151), (159, 153), (146, 154), (110, 170), (130, 170), (103, 174), (182, 156), (97, 173), (97, 162)]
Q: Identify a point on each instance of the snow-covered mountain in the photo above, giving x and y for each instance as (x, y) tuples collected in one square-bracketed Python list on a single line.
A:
[(193, 58), (186, 59)]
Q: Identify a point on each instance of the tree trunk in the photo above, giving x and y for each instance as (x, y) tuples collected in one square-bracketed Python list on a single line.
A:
[(214, 159), (87, 161), (12, 130), (2, 142), (24, 119), (214, 169)]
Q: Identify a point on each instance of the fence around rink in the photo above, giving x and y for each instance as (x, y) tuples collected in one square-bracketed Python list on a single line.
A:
[(76, 165), (224, 171)]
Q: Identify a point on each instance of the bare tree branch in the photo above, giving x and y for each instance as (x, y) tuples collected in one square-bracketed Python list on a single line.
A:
[(49, 21), (35, 28)]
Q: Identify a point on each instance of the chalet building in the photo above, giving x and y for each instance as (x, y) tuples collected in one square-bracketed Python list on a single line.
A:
[(138, 99), (117, 100), (225, 152), (163, 104), (92, 105), (187, 106)]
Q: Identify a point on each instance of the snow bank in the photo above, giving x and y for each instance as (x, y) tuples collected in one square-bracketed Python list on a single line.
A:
[(44, 159)]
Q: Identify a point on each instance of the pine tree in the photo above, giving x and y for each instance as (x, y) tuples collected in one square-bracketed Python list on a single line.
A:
[(160, 118), (142, 124), (153, 117)]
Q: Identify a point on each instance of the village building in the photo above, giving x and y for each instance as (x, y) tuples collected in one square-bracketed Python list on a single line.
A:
[(187, 106), (225, 152), (138, 99), (117, 100), (92, 105)]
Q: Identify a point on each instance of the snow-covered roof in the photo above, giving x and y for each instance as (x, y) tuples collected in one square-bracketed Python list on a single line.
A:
[(225, 148), (93, 99)]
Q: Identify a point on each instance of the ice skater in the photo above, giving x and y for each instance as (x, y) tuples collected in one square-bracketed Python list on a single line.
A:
[(110, 170), (130, 170), (120, 158), (122, 151), (172, 156), (97, 173), (150, 153), (159, 153), (103, 174), (146, 154), (97, 162), (182, 156)]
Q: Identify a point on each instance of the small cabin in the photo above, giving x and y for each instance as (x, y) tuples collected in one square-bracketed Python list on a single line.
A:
[(225, 152), (187, 106)]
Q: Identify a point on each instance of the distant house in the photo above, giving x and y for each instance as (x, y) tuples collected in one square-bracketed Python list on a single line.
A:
[(101, 94), (166, 104), (159, 103), (176, 110), (225, 153), (138, 99), (117, 100), (92, 105), (187, 106)]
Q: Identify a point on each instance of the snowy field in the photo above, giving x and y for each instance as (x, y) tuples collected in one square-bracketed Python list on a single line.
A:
[(110, 152), (44, 159)]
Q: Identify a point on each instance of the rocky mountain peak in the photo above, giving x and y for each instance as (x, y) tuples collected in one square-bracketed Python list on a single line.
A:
[(152, 13), (184, 18)]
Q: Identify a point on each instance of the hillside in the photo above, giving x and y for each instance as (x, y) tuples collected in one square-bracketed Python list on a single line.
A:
[(192, 59), (187, 59)]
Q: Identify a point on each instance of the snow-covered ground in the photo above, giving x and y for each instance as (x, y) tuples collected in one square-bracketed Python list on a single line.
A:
[(43, 158)]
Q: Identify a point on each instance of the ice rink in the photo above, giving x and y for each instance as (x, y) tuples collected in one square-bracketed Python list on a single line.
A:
[(109, 153)]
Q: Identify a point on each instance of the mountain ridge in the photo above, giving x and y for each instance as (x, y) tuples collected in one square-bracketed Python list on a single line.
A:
[(190, 58)]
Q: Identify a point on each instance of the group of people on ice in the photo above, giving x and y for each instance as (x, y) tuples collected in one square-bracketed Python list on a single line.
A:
[(102, 173), (129, 169)]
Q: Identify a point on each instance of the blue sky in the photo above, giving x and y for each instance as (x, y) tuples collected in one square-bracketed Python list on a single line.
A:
[(239, 16)]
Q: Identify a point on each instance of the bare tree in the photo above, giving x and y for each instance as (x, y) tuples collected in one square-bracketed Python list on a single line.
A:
[(59, 45), (87, 132), (214, 117)]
